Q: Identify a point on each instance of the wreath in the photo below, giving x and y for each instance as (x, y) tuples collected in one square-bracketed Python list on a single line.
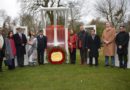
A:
[(56, 55)]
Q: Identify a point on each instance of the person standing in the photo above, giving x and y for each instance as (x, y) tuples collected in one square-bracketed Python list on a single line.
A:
[(41, 46), (72, 46), (32, 49), (10, 50), (20, 43), (122, 40), (82, 39), (93, 44), (108, 38), (2, 49)]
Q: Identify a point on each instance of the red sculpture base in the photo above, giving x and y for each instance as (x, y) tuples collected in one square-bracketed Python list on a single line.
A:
[(56, 55)]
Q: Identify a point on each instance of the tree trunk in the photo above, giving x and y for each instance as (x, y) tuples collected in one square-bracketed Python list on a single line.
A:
[(51, 17)]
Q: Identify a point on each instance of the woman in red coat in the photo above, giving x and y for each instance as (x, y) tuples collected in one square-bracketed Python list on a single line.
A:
[(72, 46)]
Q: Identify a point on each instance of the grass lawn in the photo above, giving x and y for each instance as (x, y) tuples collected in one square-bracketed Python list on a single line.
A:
[(66, 77)]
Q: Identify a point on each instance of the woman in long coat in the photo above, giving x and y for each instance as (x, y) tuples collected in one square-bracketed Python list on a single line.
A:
[(108, 38), (10, 50)]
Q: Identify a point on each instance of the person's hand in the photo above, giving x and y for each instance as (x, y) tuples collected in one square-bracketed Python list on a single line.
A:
[(70, 44), (88, 50), (107, 42), (29, 42), (23, 44), (98, 50), (120, 47)]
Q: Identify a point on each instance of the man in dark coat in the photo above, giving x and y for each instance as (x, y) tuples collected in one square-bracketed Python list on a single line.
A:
[(2, 49), (93, 44), (82, 38), (20, 42), (122, 40), (41, 46)]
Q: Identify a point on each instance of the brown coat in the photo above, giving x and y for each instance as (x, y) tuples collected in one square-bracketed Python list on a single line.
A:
[(109, 36)]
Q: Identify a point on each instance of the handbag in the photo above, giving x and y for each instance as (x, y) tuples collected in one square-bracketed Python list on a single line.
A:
[(8, 62)]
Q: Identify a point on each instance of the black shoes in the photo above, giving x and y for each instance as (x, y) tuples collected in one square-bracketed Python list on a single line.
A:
[(1, 70), (107, 65)]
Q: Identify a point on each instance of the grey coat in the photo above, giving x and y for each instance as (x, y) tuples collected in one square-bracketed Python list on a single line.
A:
[(8, 50)]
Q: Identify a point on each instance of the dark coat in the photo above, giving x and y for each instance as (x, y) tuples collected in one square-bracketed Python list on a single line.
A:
[(93, 45), (122, 39), (20, 50), (2, 51), (41, 43), (82, 39)]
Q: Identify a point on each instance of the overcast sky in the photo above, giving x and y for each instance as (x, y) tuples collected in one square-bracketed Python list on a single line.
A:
[(11, 7)]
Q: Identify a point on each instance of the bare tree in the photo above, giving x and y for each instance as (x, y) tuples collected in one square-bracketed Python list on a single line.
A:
[(3, 16), (112, 10), (78, 8), (27, 20), (30, 6)]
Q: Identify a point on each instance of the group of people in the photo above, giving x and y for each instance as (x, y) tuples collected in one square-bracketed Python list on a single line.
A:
[(14, 45), (88, 44)]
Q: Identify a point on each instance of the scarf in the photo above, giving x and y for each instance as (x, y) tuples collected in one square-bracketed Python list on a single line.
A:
[(13, 46)]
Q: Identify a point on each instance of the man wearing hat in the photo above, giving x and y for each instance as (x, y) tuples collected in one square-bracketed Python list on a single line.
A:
[(20, 42), (122, 40), (41, 46), (2, 49)]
